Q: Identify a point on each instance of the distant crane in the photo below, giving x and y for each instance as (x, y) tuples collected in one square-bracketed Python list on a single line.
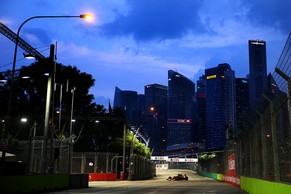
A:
[(24, 45)]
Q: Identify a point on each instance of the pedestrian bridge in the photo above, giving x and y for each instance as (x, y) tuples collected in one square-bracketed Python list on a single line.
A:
[(165, 162), (167, 159)]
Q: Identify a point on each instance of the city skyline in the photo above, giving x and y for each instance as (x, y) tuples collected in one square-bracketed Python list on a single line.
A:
[(142, 40)]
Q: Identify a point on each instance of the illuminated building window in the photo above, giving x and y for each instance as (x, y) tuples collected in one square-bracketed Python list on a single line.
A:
[(211, 77)]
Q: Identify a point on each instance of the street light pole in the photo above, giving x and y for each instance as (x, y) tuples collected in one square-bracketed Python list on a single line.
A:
[(123, 147), (71, 130), (156, 146), (131, 162), (83, 16), (31, 138), (47, 112)]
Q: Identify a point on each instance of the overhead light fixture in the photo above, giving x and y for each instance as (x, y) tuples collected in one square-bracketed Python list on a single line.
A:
[(24, 120), (25, 77), (28, 56), (2, 78), (87, 16)]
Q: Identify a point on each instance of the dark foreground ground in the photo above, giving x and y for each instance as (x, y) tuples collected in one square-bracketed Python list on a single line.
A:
[(159, 185)]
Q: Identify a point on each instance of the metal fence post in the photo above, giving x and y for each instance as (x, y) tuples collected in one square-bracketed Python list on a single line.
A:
[(274, 139), (95, 162), (251, 159), (107, 162), (123, 147), (82, 162), (288, 79), (255, 150), (264, 147)]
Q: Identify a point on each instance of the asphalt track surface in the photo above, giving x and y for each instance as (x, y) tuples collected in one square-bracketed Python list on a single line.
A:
[(159, 185)]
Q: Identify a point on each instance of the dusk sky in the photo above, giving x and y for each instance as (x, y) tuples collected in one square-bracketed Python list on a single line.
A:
[(132, 43)]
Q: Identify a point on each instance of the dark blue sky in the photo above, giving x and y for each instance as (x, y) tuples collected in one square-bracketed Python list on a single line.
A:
[(132, 43)]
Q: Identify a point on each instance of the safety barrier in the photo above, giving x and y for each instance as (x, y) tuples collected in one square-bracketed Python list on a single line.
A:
[(33, 184), (257, 186), (102, 177), (251, 185)]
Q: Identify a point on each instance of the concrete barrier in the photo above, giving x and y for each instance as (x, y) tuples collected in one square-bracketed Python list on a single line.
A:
[(33, 183), (251, 185), (102, 177), (78, 181), (257, 186)]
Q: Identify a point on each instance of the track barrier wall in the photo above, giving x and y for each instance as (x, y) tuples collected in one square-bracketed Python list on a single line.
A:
[(102, 177), (252, 185), (33, 184)]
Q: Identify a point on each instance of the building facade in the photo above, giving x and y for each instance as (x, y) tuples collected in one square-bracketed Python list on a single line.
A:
[(220, 106), (130, 102), (156, 108), (201, 107), (258, 72), (242, 104), (181, 92)]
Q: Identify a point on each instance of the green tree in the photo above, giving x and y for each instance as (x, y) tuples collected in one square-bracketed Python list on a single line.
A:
[(29, 99), (4, 92), (105, 135), (29, 95), (33, 91)]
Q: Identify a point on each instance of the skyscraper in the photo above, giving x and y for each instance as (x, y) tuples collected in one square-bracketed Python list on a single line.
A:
[(130, 102), (156, 98), (258, 72), (181, 92), (220, 105), (201, 106), (242, 104)]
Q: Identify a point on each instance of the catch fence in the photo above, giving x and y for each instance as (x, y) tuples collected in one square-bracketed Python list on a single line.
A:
[(262, 149)]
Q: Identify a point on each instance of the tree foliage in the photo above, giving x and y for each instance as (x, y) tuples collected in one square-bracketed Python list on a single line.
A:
[(32, 91), (29, 100), (139, 147), (207, 156)]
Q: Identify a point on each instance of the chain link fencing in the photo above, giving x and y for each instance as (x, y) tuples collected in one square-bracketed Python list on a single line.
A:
[(56, 160), (262, 149)]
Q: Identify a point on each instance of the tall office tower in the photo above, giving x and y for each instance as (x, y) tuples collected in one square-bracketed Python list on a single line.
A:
[(258, 72), (136, 113), (201, 106), (220, 105), (156, 108), (242, 104), (181, 92), (118, 98), (128, 101)]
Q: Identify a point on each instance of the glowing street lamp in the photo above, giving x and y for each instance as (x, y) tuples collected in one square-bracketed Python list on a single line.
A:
[(24, 120), (83, 16), (87, 16)]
